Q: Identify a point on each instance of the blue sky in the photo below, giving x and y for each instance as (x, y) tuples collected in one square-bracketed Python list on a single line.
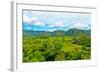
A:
[(51, 21)]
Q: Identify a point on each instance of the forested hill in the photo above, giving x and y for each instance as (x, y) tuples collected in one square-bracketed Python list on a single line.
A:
[(70, 32), (75, 32)]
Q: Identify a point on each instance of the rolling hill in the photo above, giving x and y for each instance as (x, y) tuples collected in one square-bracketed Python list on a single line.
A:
[(70, 32)]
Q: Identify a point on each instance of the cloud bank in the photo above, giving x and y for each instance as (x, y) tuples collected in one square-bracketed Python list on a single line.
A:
[(50, 21)]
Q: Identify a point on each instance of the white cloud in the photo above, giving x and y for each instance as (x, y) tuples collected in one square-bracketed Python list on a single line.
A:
[(57, 24), (80, 26), (32, 20), (39, 23), (28, 19)]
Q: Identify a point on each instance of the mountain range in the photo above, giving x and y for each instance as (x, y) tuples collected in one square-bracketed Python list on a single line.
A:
[(70, 32)]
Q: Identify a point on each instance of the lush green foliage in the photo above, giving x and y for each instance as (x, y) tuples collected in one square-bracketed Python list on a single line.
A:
[(56, 48)]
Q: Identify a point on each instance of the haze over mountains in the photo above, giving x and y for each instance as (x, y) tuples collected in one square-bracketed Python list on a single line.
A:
[(51, 28)]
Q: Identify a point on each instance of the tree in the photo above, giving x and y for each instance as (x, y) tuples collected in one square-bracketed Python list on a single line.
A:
[(82, 40), (58, 33), (60, 56)]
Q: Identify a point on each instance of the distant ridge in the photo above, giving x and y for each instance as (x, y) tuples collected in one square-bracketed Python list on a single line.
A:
[(75, 32), (70, 32)]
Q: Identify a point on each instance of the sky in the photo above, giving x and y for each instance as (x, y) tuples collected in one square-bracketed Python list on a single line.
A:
[(51, 21)]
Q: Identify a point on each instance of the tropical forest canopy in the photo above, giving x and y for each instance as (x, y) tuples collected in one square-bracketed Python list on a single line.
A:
[(41, 46)]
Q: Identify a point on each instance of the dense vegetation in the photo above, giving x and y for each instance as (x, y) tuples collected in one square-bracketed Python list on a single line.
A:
[(56, 46)]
